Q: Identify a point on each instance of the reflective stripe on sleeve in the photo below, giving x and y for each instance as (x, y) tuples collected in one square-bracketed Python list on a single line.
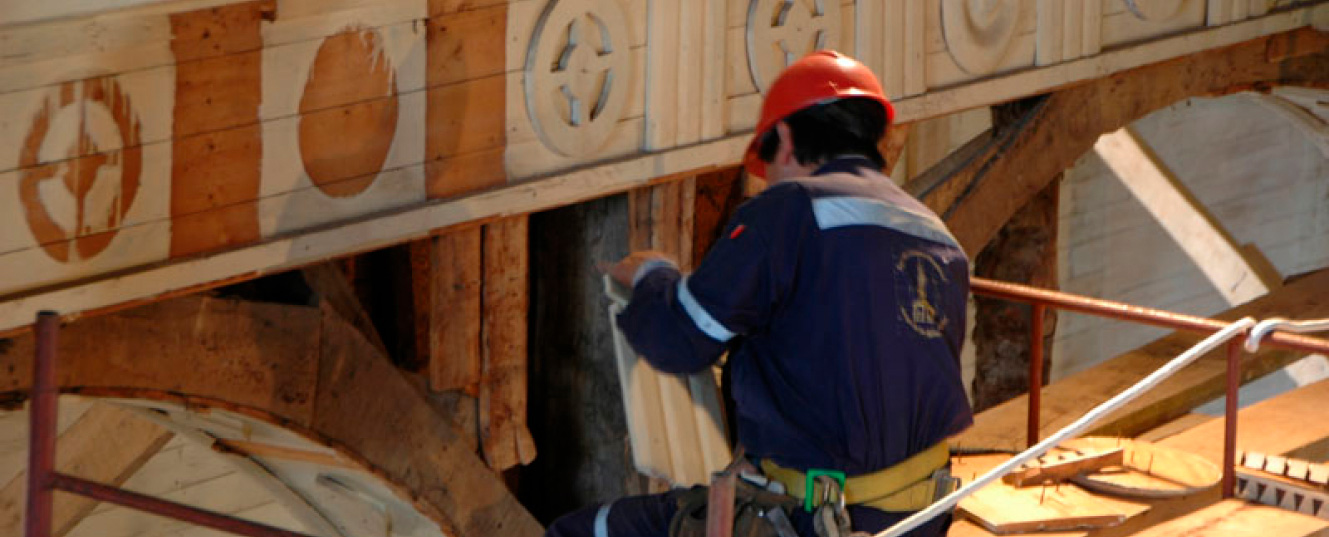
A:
[(602, 520), (853, 211), (700, 316)]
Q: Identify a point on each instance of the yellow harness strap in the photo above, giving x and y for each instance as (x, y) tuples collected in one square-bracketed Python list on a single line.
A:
[(906, 486)]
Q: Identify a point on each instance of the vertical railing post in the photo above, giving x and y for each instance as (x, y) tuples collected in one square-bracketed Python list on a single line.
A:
[(1230, 417), (41, 419), (1035, 371)]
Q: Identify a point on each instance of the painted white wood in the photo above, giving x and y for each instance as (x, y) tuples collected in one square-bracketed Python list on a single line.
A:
[(1208, 245), (713, 55), (1004, 88), (1053, 36), (26, 12), (915, 39), (691, 34), (664, 82)]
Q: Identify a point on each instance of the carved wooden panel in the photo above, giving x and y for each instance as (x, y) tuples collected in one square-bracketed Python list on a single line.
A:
[(1128, 21), (1068, 29), (575, 83)]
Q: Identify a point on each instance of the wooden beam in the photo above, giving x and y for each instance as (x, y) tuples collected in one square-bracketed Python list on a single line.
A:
[(331, 285), (1062, 466), (108, 445), (1066, 400), (982, 184), (1185, 219), (455, 314), (1276, 426), (504, 437)]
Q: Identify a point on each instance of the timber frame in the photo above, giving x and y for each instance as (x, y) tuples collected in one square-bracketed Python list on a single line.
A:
[(228, 173)]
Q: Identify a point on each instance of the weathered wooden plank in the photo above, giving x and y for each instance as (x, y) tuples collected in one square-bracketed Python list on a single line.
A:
[(504, 436), (1235, 518), (1003, 508), (1277, 426), (1062, 466), (1069, 398), (466, 121), (455, 313), (456, 487), (107, 445), (331, 285), (224, 339)]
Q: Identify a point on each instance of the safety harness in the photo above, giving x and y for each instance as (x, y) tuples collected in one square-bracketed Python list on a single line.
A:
[(761, 504)]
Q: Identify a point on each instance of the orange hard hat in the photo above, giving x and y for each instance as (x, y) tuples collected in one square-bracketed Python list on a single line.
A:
[(818, 78)]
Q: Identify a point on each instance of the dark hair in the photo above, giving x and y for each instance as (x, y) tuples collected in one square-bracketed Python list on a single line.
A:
[(842, 127)]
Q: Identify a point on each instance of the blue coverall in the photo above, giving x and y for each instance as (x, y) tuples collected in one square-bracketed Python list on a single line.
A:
[(842, 302)]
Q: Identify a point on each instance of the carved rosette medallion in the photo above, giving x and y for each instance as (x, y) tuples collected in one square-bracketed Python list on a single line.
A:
[(781, 31), (979, 33), (577, 70)]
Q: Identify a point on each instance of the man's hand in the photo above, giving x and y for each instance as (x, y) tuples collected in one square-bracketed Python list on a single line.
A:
[(626, 268)]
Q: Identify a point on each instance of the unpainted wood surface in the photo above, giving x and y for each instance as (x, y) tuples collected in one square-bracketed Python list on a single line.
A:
[(1002, 508), (504, 437), (1235, 518)]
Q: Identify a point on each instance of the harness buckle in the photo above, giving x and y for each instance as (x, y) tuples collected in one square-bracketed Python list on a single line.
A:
[(810, 486)]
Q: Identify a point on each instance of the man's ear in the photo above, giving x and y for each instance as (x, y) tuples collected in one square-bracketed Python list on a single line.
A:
[(784, 153)]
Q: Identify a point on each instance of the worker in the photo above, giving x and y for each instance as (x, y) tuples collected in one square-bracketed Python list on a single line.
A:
[(841, 302)]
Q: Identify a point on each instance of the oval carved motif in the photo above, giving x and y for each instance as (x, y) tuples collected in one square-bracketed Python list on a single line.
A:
[(577, 70), (348, 113)]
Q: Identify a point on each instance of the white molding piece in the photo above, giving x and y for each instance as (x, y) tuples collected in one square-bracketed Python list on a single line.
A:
[(1198, 233), (1029, 82)]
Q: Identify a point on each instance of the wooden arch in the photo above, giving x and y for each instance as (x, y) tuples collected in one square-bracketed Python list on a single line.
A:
[(301, 368), (981, 185)]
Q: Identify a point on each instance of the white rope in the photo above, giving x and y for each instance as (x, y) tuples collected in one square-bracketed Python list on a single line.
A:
[(1267, 326), (946, 504)]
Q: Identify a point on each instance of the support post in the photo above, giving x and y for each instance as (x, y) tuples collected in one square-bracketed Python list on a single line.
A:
[(1230, 417), (41, 421), (1035, 371)]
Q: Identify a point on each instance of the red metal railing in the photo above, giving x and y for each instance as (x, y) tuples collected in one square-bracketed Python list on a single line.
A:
[(1042, 298), (43, 480)]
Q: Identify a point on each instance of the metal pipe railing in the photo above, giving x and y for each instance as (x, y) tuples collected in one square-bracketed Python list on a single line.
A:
[(1263, 332)]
